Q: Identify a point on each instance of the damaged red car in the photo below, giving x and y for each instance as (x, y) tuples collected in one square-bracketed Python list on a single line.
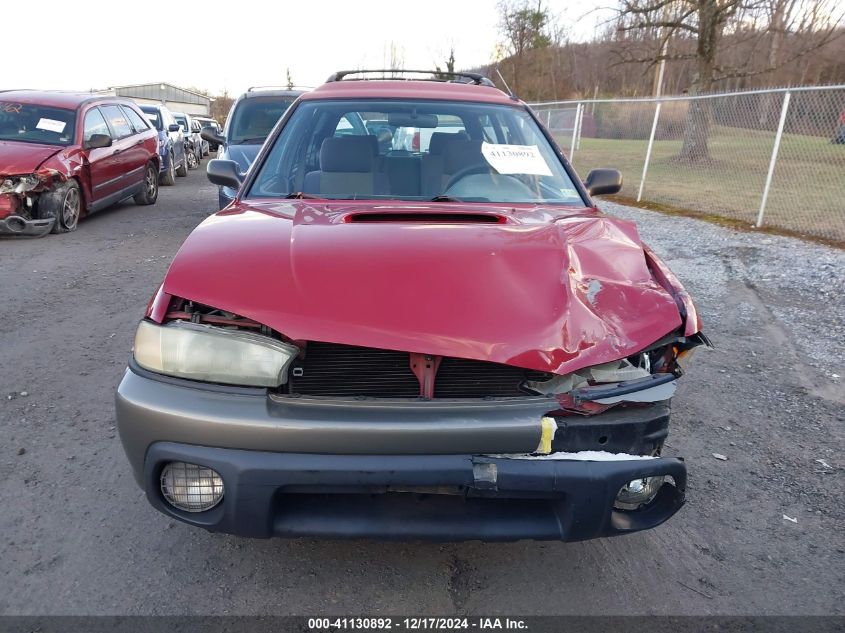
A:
[(63, 155), (412, 323)]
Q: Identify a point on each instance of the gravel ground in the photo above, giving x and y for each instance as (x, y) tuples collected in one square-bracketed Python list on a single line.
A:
[(79, 537)]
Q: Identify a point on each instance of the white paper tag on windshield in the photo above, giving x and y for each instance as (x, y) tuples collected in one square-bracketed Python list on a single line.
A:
[(51, 125), (515, 159)]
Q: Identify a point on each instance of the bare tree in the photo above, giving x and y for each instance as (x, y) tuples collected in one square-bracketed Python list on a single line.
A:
[(713, 26), (524, 26), (395, 57), (450, 66)]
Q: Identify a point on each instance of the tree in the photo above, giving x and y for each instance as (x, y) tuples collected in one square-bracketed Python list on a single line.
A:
[(525, 27), (450, 66), (220, 107), (713, 26)]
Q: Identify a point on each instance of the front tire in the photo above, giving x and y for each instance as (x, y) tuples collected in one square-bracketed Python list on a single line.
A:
[(182, 170), (193, 160), (149, 194), (168, 178), (64, 203)]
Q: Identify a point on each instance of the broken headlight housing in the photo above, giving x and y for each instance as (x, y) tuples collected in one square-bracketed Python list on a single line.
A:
[(615, 371), (19, 184), (213, 354)]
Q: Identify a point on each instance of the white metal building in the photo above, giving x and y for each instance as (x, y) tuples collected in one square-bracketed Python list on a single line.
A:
[(175, 98)]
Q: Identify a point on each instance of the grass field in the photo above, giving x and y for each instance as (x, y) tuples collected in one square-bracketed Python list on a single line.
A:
[(807, 193)]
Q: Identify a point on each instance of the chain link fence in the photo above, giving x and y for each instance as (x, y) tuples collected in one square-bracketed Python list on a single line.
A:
[(767, 157)]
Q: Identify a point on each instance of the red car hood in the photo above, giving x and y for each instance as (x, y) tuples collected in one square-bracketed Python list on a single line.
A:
[(538, 289), (23, 158)]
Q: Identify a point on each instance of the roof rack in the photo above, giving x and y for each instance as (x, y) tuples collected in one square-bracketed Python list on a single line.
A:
[(290, 89), (435, 75)]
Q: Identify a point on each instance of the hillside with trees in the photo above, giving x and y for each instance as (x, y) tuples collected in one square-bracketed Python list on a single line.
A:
[(705, 46)]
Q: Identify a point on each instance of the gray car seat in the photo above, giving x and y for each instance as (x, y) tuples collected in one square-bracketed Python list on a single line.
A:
[(431, 167), (347, 168)]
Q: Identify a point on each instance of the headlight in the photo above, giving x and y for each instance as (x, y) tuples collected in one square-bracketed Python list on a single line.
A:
[(19, 184), (212, 354)]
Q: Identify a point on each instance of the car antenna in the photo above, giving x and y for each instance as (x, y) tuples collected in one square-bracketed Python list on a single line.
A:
[(512, 95)]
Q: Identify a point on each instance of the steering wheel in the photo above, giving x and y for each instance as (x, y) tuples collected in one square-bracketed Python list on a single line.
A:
[(468, 171)]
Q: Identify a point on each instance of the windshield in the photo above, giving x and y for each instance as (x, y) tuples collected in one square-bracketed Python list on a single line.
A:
[(33, 123), (153, 116), (414, 150), (182, 121), (255, 117)]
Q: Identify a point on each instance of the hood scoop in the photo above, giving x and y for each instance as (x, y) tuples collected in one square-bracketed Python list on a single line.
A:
[(425, 217)]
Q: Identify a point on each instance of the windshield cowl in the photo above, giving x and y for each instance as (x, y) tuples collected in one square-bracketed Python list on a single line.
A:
[(311, 211)]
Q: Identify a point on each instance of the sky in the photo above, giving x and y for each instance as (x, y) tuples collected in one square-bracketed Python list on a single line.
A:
[(219, 46)]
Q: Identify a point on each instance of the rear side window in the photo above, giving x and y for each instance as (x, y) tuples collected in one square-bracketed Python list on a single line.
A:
[(117, 121), (153, 117), (94, 124), (135, 119)]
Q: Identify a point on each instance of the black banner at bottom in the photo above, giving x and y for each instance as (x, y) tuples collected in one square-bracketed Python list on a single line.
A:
[(408, 624)]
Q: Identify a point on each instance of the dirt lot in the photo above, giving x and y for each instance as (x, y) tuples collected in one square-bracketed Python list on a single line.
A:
[(79, 537)]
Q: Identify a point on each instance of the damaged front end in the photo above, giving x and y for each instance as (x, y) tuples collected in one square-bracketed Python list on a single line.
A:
[(344, 441), (620, 406), (20, 212)]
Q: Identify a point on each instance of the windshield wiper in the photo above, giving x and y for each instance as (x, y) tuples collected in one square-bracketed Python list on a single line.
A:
[(299, 195), (251, 141), (443, 198)]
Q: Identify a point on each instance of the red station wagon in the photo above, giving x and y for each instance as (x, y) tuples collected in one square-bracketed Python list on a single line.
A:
[(63, 155), (412, 322)]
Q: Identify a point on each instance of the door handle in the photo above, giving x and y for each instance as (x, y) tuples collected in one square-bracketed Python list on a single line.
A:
[(116, 152)]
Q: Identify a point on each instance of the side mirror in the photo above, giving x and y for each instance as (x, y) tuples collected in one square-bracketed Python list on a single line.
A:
[(173, 127), (602, 182), (224, 173), (98, 140), (210, 134)]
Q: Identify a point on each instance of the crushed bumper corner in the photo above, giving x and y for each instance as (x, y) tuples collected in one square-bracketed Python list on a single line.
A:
[(18, 225)]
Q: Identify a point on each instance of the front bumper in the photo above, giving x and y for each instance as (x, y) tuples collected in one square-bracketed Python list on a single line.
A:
[(18, 225), (392, 469), (404, 497)]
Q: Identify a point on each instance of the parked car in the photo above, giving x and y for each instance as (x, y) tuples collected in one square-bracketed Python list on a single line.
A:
[(250, 120), (64, 155), (206, 122), (171, 143), (447, 344), (193, 143)]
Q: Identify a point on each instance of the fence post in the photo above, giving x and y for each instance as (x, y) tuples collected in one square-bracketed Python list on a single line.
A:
[(648, 151), (580, 122), (574, 132), (778, 136)]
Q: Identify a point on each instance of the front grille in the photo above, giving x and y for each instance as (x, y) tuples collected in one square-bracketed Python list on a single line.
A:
[(345, 370), (462, 378), (329, 369)]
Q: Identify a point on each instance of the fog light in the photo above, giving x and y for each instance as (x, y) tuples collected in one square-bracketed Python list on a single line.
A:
[(638, 492), (191, 487)]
